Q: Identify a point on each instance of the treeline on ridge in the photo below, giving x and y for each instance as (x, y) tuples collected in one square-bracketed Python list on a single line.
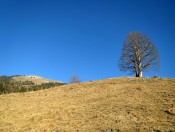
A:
[(8, 85)]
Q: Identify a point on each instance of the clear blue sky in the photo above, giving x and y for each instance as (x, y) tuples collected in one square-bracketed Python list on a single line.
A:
[(57, 39)]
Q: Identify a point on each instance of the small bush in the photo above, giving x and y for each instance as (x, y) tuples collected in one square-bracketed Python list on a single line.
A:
[(23, 89), (155, 77), (75, 79)]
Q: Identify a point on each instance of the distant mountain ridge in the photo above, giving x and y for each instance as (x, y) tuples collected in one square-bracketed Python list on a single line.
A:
[(35, 79), (25, 83)]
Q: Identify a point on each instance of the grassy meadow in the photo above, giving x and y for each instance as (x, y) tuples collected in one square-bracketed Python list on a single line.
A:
[(118, 104)]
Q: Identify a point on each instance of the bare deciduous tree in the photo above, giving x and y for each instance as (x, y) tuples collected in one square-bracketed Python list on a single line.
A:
[(74, 79), (139, 54)]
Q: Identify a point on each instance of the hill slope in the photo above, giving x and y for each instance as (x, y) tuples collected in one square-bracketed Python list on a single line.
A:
[(35, 79), (14, 84), (125, 104)]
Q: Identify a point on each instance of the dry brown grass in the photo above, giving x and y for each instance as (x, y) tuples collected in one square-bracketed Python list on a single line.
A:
[(127, 104)]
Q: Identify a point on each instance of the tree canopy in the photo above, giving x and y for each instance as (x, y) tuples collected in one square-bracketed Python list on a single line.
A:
[(139, 54)]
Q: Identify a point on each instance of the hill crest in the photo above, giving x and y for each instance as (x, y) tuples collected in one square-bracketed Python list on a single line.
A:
[(35, 79)]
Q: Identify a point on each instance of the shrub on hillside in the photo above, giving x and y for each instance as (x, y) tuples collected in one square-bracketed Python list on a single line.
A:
[(75, 79), (155, 76)]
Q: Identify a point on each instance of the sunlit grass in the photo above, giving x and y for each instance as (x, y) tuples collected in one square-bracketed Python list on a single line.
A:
[(126, 104)]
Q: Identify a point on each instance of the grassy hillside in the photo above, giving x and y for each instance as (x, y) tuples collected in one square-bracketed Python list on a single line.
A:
[(13, 84), (35, 79), (121, 104)]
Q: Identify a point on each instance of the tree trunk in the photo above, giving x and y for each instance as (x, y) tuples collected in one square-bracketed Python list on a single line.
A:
[(139, 74), (140, 70)]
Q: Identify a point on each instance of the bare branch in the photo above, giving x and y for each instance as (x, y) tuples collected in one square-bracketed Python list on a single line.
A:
[(139, 54)]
